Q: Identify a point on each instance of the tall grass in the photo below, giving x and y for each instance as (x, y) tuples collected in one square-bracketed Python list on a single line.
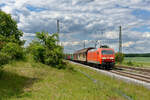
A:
[(35, 81)]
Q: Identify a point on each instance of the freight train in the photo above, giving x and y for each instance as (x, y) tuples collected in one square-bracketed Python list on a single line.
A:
[(100, 57)]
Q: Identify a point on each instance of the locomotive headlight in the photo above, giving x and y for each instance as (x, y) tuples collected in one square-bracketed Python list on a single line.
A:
[(111, 57), (103, 57)]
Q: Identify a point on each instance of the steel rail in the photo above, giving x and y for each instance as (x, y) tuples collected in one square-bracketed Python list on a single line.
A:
[(134, 76), (134, 68)]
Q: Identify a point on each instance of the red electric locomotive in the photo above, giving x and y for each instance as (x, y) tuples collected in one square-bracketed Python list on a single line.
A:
[(104, 57), (101, 57)]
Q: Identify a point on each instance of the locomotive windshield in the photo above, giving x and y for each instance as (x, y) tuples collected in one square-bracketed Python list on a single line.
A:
[(107, 52)]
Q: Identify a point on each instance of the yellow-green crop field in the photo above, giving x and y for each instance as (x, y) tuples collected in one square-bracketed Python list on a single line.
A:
[(137, 61)]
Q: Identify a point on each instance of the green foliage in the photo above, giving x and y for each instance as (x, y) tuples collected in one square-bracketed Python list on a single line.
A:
[(37, 51), (4, 59), (138, 55), (104, 46), (130, 63), (10, 42), (8, 29), (45, 49), (119, 57), (14, 51)]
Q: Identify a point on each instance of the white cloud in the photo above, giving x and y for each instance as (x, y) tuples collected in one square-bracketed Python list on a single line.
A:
[(146, 35), (81, 19), (106, 35), (28, 35), (128, 44), (70, 43), (112, 35)]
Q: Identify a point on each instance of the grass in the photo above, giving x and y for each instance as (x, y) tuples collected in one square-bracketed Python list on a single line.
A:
[(35, 81), (137, 61)]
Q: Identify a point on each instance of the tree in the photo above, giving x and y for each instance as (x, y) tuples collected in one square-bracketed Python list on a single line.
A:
[(10, 42), (104, 46), (45, 49), (8, 30), (119, 57)]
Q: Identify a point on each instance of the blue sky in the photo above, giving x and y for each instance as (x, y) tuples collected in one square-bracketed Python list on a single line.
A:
[(143, 28), (1, 5), (35, 9), (142, 14), (85, 20)]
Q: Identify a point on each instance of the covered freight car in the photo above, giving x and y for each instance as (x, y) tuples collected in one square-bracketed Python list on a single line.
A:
[(69, 56), (81, 55)]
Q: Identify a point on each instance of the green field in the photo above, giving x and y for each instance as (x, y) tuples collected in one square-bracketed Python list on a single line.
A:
[(35, 81), (137, 61)]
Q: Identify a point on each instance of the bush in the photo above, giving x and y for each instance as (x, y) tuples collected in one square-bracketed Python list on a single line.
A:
[(46, 50), (14, 51), (56, 54), (4, 59), (119, 57), (37, 50), (130, 63)]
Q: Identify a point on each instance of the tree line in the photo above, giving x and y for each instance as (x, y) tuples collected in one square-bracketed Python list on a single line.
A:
[(138, 55)]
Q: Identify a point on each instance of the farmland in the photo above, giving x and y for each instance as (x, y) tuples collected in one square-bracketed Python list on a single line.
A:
[(137, 61)]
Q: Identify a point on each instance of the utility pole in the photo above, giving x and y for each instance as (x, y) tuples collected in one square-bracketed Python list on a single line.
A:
[(58, 26), (58, 30), (120, 39), (84, 44), (96, 43)]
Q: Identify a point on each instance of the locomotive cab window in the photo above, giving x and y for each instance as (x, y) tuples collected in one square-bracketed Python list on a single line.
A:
[(107, 52)]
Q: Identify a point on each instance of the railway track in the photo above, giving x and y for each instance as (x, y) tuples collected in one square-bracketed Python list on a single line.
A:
[(135, 68), (137, 76), (134, 73), (125, 74), (142, 74)]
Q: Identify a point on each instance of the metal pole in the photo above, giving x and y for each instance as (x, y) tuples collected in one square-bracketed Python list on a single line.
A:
[(58, 30), (120, 39), (96, 43), (58, 26), (84, 44)]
